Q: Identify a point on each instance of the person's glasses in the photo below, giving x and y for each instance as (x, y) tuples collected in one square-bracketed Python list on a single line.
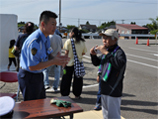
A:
[(106, 37)]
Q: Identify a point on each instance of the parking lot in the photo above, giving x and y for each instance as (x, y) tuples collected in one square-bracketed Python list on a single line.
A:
[(140, 95)]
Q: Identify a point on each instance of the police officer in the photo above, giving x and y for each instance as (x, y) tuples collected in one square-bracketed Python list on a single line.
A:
[(34, 58)]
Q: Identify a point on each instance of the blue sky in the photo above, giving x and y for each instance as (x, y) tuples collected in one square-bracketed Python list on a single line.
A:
[(74, 12)]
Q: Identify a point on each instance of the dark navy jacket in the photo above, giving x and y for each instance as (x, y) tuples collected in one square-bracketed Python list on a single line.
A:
[(114, 84)]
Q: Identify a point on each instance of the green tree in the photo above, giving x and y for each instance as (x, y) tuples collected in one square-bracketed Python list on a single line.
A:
[(153, 27), (104, 25), (84, 31), (70, 26), (35, 26), (22, 23), (87, 23), (133, 22)]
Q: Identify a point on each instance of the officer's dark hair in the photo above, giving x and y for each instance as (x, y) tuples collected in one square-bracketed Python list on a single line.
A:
[(45, 15), (77, 34), (29, 28), (12, 42)]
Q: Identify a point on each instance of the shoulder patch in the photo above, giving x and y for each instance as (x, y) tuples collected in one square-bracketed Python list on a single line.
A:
[(33, 51)]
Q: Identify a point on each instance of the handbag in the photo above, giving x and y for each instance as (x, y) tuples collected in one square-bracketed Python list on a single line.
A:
[(16, 53), (78, 66)]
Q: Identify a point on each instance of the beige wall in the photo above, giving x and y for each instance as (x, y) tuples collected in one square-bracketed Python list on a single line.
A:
[(123, 30)]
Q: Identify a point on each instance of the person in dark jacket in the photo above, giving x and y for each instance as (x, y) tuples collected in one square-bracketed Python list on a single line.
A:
[(28, 29), (112, 64)]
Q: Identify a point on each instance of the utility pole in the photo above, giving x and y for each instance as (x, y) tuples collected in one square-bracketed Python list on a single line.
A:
[(59, 14), (78, 23), (122, 21), (99, 23)]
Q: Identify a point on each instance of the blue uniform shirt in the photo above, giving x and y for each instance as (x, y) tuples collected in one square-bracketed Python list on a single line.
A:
[(35, 49)]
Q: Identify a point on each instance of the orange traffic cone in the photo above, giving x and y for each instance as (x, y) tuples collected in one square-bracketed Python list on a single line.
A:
[(136, 40), (147, 42)]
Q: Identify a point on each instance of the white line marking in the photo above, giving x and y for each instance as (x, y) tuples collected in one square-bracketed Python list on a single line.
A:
[(141, 57), (156, 67), (87, 60), (85, 56), (142, 49), (156, 55), (88, 86)]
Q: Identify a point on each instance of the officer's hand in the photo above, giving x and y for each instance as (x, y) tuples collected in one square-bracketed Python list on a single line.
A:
[(61, 60), (58, 54)]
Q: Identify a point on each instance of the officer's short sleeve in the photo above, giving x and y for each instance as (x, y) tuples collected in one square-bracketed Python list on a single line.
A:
[(34, 54)]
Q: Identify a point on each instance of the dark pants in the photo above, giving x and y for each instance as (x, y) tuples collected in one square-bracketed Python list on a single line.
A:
[(66, 83), (99, 94), (31, 85), (18, 60), (12, 60)]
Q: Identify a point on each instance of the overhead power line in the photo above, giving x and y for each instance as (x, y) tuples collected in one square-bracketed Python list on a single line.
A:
[(135, 2), (102, 19), (15, 3)]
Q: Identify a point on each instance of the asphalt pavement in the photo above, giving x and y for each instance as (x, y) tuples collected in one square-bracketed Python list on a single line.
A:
[(140, 97)]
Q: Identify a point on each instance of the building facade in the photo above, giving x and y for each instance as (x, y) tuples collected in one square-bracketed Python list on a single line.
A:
[(131, 29)]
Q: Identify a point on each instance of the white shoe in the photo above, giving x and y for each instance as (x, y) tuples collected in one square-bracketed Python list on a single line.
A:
[(47, 87)]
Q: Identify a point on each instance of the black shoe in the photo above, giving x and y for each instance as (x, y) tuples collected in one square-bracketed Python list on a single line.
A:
[(55, 90), (77, 98)]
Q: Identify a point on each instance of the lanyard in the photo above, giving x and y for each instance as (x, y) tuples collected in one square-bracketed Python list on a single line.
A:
[(108, 66)]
